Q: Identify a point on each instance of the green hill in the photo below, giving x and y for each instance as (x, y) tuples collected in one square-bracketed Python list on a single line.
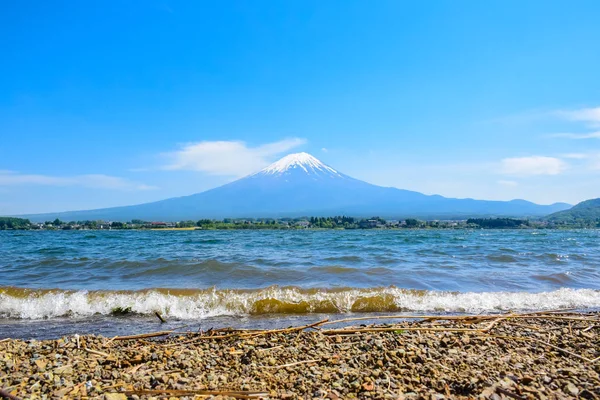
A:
[(587, 212)]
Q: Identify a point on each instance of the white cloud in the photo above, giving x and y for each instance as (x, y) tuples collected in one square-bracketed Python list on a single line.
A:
[(324, 150), (576, 156), (591, 116), (227, 158), (534, 165), (589, 160), (96, 181), (589, 135), (508, 183)]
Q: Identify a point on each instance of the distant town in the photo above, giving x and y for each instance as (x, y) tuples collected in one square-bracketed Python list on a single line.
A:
[(338, 222)]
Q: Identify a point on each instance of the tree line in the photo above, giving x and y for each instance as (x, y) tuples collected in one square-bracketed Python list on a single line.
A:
[(14, 223), (335, 222), (498, 223)]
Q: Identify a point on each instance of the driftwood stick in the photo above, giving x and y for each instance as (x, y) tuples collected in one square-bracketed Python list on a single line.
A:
[(401, 328), (398, 328), (562, 350), (143, 335), (96, 352), (589, 328), (532, 315), (265, 332), (162, 320), (270, 348), (559, 317), (291, 364), (486, 335), (246, 335), (555, 311), (174, 392), (430, 317), (287, 330), (4, 394)]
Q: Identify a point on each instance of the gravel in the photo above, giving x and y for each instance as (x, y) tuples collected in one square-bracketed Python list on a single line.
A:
[(520, 359)]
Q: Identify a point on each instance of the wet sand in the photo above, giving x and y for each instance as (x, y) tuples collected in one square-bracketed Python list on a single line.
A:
[(521, 357)]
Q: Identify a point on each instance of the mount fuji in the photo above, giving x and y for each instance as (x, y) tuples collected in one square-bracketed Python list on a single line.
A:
[(301, 185)]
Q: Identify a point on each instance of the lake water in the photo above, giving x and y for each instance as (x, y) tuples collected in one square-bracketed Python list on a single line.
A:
[(53, 283)]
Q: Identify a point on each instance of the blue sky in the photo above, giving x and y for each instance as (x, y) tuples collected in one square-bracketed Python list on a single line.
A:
[(106, 103)]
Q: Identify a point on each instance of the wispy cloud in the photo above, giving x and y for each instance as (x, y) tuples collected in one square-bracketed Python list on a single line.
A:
[(576, 156), (96, 181), (585, 161), (227, 158), (508, 183), (589, 135), (533, 165), (590, 116)]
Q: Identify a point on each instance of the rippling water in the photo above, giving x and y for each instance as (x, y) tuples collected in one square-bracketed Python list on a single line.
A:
[(209, 274)]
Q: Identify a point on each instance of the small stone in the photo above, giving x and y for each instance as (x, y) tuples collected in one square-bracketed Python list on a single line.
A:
[(526, 380), (568, 371), (571, 389), (65, 370), (41, 364), (368, 386), (115, 396), (586, 394), (333, 395), (61, 393)]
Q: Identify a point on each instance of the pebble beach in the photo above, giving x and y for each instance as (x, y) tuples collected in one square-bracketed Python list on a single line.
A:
[(554, 356)]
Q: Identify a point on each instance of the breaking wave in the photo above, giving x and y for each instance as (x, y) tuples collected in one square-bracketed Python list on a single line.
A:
[(20, 303)]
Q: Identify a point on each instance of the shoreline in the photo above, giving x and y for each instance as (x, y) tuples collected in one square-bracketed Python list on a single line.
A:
[(535, 355), (309, 229), (50, 314)]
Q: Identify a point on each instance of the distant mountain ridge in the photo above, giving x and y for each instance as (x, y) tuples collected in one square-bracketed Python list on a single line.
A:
[(588, 210), (301, 185)]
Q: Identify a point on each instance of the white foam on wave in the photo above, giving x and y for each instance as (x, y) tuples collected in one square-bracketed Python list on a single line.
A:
[(84, 304), (211, 303)]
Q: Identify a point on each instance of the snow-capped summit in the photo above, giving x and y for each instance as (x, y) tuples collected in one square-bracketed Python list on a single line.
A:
[(299, 161)]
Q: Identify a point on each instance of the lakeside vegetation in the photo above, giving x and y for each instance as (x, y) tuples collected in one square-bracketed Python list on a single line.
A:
[(336, 222), (586, 212)]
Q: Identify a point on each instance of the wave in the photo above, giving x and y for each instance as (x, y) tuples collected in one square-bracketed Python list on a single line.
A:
[(501, 258), (20, 303), (351, 259)]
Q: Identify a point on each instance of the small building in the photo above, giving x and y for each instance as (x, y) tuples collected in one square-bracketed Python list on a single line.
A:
[(368, 224)]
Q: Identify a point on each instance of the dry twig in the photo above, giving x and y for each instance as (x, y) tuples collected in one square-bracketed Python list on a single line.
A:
[(291, 364), (142, 336), (235, 394), (4, 394), (96, 352)]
